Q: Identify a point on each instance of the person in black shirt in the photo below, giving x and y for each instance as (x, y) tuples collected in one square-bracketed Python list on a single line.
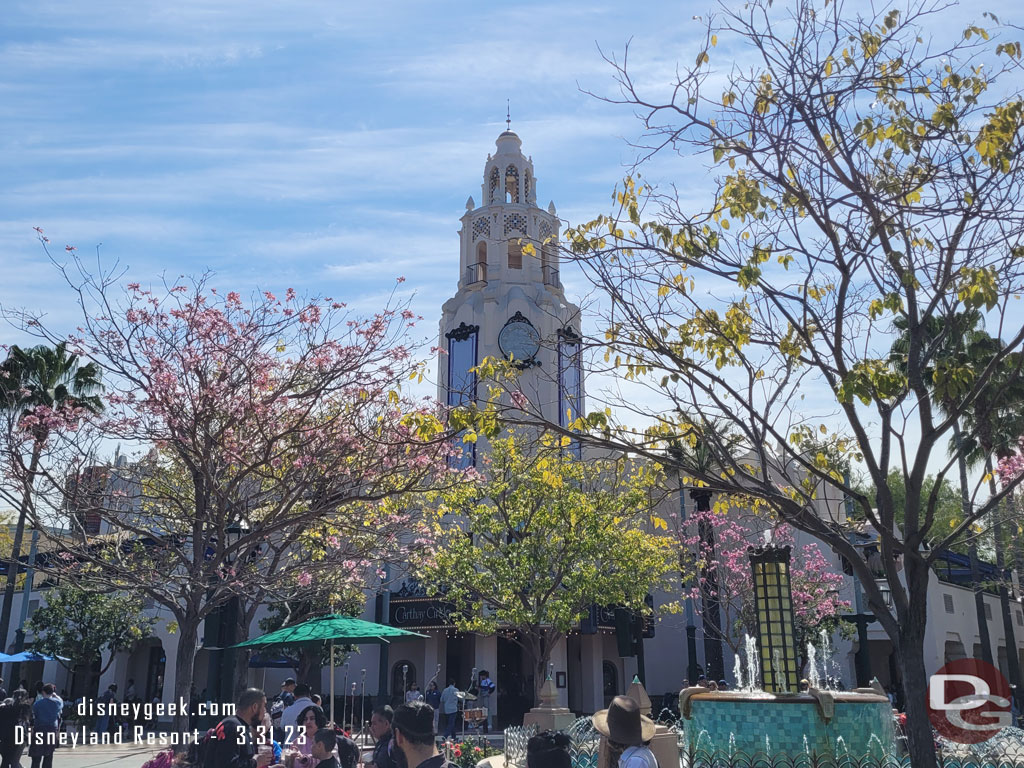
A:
[(380, 729), (323, 749), (11, 716), (233, 745), (548, 749), (413, 726), (348, 752)]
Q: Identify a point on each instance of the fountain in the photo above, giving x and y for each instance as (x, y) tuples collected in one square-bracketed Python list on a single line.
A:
[(778, 720)]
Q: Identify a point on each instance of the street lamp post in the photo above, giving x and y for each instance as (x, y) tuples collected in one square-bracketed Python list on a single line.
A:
[(691, 626), (710, 608), (861, 619)]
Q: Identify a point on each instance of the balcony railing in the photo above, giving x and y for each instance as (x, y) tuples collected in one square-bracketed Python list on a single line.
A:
[(476, 273)]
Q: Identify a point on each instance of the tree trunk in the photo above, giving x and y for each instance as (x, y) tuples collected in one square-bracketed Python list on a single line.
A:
[(308, 671), (915, 686), (241, 655), (539, 650), (910, 655), (19, 535), (972, 550), (184, 669)]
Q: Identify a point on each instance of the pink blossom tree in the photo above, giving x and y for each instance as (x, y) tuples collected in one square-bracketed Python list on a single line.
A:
[(815, 585), (268, 430)]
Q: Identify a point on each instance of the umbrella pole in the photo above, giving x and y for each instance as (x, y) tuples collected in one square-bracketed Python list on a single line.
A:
[(332, 683)]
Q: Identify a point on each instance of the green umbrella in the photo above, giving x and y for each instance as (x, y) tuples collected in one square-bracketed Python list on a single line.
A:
[(330, 629)]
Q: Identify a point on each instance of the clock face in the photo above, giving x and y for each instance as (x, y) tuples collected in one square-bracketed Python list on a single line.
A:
[(519, 340)]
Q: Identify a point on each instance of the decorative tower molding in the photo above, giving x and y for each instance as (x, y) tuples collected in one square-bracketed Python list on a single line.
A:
[(509, 285)]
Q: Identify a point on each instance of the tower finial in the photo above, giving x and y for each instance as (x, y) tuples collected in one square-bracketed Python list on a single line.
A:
[(508, 114)]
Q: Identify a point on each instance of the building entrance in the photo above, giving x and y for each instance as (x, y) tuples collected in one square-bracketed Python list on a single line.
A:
[(515, 692), (459, 655)]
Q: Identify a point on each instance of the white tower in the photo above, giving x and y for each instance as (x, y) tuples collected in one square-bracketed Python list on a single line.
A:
[(510, 304)]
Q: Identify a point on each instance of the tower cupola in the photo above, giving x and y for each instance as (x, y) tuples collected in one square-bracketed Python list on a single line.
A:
[(508, 175)]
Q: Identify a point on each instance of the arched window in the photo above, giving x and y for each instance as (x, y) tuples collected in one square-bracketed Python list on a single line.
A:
[(515, 254), (526, 186), (397, 678), (462, 350), (494, 185), (511, 184), (479, 270), (570, 383), (610, 681)]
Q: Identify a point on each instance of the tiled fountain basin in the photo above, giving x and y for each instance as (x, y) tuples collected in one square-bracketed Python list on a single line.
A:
[(734, 721)]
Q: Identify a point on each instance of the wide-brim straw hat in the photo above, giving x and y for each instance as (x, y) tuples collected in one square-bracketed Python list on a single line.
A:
[(623, 723)]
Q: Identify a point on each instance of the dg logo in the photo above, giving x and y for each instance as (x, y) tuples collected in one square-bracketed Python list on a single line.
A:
[(969, 701)]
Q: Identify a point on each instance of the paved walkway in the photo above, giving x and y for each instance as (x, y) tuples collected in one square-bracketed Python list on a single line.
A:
[(107, 756), (134, 755)]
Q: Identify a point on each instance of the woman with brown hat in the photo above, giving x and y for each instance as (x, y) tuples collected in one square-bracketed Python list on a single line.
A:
[(628, 733)]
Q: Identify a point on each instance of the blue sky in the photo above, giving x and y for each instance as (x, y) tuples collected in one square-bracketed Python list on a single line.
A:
[(327, 146), (322, 145)]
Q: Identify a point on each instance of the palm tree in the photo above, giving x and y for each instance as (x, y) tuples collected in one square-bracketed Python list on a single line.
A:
[(957, 348), (47, 377), (997, 421)]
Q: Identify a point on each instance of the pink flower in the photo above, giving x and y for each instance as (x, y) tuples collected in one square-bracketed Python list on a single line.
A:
[(305, 579)]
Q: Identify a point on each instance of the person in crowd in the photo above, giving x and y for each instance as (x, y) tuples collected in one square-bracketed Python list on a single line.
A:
[(712, 685), (723, 685), (233, 744), (311, 720), (129, 691), (487, 688), (686, 682), (348, 752), (303, 699), (433, 698), (380, 730), (450, 708), (317, 700), (548, 749), (702, 682), (322, 749), (18, 712), (46, 712), (628, 732), (413, 694), (107, 698), (287, 694), (39, 690), (803, 685), (413, 726)]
